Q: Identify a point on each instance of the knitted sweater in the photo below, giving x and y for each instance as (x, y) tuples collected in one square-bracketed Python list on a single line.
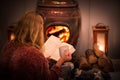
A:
[(21, 62)]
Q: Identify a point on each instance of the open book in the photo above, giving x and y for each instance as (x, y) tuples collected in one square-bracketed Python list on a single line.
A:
[(52, 47)]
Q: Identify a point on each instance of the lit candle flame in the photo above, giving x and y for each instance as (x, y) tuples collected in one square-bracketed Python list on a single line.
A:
[(101, 47)]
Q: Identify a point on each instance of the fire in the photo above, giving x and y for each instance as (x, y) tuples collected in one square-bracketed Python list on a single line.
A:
[(61, 32)]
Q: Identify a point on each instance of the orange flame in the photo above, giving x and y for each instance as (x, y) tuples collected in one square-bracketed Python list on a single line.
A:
[(61, 32)]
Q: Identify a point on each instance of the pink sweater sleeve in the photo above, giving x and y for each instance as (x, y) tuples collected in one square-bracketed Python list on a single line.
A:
[(32, 65)]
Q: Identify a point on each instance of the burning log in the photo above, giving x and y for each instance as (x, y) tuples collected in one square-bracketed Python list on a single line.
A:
[(57, 33)]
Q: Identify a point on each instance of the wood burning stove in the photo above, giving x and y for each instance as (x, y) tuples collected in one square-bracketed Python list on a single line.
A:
[(61, 19)]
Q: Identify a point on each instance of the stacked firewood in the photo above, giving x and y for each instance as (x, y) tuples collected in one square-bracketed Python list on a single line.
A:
[(94, 58)]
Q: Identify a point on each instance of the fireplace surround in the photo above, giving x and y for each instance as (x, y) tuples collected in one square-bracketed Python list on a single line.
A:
[(61, 19)]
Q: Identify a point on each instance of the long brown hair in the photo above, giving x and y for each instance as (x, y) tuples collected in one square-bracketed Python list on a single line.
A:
[(30, 30)]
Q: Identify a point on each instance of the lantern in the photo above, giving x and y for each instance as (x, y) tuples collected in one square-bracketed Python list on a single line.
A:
[(11, 35), (100, 37)]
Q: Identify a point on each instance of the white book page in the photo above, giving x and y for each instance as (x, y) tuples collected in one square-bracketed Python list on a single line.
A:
[(52, 47), (71, 48)]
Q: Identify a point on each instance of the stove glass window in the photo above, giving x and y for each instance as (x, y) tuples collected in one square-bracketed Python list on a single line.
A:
[(62, 32)]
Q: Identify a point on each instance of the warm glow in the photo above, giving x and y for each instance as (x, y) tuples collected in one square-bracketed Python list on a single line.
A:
[(61, 32), (12, 37), (56, 12), (58, 2), (100, 36), (101, 47), (101, 41)]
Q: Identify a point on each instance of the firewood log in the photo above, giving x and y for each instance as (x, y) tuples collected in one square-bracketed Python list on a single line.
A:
[(84, 63), (105, 64), (90, 55), (92, 59)]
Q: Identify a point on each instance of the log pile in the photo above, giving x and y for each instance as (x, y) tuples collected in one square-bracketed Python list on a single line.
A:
[(95, 58)]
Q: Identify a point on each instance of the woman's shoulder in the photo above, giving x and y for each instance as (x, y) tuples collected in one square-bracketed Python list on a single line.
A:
[(24, 50), (28, 55)]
